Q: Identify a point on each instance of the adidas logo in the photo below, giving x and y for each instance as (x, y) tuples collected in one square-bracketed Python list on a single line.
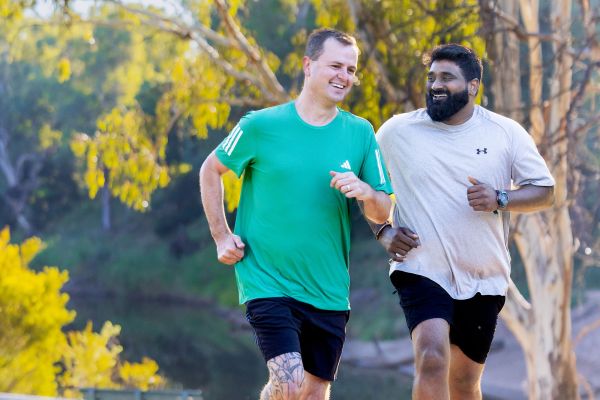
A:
[(346, 165)]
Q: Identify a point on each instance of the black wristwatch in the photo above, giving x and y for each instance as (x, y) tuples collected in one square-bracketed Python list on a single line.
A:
[(502, 199)]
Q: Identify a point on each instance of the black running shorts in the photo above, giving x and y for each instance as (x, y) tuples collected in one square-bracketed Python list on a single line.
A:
[(284, 325), (472, 321)]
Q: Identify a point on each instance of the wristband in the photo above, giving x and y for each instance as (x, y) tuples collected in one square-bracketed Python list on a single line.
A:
[(380, 230)]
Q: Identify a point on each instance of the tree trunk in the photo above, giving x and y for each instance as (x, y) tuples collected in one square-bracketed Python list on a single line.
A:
[(503, 50), (105, 199), (544, 240)]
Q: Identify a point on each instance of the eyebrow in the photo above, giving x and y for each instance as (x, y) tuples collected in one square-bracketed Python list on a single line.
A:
[(443, 73)]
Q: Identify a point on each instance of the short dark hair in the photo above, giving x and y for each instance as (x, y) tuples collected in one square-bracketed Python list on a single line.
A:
[(466, 59), (314, 44)]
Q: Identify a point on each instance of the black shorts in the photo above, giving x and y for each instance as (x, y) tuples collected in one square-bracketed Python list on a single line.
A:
[(472, 321), (284, 325)]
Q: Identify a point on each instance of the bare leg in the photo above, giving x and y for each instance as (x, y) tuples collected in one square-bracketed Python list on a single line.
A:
[(286, 378), (431, 344), (465, 376), (314, 388)]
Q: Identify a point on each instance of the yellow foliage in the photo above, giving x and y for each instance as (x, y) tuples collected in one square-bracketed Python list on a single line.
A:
[(233, 189), (141, 375), (64, 70), (90, 357), (92, 360), (49, 137), (32, 314), (184, 168)]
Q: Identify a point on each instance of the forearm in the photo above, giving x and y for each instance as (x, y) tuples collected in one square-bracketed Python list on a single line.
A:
[(377, 208), (529, 198), (211, 192)]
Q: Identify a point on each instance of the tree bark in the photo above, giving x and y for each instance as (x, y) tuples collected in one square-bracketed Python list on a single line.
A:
[(503, 49), (544, 240), (105, 199)]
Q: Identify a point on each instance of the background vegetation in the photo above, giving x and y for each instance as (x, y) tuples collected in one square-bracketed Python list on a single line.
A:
[(107, 110)]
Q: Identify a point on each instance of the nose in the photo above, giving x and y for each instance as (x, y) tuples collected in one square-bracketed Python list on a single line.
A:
[(436, 85), (345, 74)]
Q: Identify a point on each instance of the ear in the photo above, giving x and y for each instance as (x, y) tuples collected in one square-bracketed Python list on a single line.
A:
[(306, 61), (473, 86)]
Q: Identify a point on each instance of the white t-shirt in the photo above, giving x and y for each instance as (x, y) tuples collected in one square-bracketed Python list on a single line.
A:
[(463, 250)]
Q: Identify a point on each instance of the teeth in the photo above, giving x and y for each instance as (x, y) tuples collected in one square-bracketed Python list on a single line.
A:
[(337, 85)]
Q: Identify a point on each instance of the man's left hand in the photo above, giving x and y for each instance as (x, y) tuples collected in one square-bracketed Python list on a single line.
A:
[(481, 196), (351, 186)]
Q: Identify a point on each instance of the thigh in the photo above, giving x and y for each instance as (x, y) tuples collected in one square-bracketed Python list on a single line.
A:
[(432, 336), (321, 340), (421, 299), (276, 327), (474, 325)]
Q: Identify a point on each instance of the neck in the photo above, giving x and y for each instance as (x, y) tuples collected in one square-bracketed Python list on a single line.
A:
[(313, 111), (462, 116)]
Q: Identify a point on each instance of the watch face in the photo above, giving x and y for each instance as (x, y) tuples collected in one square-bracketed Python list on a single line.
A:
[(502, 198)]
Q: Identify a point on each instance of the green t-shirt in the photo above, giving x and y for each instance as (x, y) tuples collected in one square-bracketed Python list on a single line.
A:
[(295, 227)]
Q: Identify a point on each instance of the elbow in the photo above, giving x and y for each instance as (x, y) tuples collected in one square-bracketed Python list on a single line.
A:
[(202, 172)]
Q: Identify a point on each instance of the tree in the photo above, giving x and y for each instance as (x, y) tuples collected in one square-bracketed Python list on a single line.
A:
[(33, 313), (224, 69), (552, 103)]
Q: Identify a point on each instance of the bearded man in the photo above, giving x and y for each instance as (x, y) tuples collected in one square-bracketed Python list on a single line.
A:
[(457, 170)]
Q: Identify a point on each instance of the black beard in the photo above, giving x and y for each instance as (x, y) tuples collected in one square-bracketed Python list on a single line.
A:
[(443, 110)]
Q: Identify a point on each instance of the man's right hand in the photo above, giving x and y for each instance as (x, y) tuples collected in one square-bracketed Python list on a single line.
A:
[(230, 249), (398, 242)]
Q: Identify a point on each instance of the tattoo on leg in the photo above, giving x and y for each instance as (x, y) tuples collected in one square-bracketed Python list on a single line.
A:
[(286, 376), (267, 392)]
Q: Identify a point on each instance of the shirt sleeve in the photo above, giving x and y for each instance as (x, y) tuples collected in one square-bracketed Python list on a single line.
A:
[(373, 170), (238, 149), (528, 166)]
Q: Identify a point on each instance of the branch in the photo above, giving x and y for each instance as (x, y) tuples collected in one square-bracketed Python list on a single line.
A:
[(586, 330), (275, 90), (366, 37), (272, 90), (517, 314), (5, 165), (183, 30), (522, 34)]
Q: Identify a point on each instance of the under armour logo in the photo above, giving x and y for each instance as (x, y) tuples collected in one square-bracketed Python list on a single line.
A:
[(484, 150)]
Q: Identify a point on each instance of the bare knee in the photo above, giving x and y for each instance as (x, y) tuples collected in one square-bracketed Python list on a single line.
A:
[(286, 378), (465, 385), (315, 388), (277, 390), (432, 360)]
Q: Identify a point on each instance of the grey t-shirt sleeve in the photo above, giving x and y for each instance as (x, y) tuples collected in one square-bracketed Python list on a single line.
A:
[(528, 166)]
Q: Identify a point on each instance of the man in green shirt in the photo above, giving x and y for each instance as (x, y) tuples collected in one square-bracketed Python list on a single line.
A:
[(302, 164)]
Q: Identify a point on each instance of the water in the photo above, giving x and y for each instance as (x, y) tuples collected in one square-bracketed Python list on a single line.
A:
[(197, 349)]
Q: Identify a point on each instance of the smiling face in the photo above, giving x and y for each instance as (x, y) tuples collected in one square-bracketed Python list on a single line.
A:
[(448, 93), (330, 77)]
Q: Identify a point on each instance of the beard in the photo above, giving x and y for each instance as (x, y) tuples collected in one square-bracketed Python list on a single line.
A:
[(443, 110)]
